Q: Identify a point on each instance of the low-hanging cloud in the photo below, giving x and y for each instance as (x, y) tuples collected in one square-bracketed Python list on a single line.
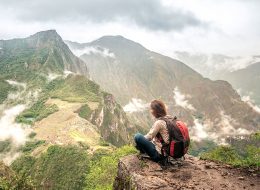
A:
[(10, 130), (181, 99), (150, 14), (251, 103), (205, 129), (104, 52), (135, 105)]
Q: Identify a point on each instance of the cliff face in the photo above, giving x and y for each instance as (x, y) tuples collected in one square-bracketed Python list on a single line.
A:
[(190, 174), (112, 121)]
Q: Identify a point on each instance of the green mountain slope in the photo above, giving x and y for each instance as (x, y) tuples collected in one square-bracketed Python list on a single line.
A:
[(72, 122), (9, 180), (44, 62)]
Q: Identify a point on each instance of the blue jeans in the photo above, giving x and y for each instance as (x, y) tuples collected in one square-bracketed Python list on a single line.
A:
[(147, 147)]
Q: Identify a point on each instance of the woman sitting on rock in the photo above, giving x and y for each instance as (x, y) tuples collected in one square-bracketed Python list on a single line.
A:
[(150, 143)]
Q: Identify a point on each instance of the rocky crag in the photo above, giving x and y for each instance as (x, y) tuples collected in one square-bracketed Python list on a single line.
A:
[(192, 173)]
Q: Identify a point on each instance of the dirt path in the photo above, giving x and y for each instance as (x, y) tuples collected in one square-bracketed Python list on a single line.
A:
[(192, 174)]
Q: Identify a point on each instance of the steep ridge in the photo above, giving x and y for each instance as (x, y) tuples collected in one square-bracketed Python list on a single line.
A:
[(137, 75), (42, 52), (66, 97), (192, 173)]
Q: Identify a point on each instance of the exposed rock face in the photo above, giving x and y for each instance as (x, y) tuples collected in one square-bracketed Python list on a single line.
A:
[(192, 174), (112, 121)]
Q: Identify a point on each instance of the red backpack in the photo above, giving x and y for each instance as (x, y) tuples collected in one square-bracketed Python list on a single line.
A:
[(179, 139)]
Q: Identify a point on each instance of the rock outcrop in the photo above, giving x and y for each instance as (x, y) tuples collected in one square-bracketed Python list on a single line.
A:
[(192, 173)]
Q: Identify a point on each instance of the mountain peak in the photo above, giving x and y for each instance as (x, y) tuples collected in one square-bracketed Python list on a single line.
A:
[(48, 35), (117, 41), (51, 32)]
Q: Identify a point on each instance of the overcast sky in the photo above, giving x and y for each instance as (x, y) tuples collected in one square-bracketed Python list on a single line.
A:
[(230, 27)]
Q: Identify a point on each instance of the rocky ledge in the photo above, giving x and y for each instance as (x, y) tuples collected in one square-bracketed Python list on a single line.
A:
[(192, 173)]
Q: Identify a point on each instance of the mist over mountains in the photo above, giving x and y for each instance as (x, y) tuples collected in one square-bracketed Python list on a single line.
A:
[(241, 72), (136, 75), (132, 73), (65, 108), (46, 89)]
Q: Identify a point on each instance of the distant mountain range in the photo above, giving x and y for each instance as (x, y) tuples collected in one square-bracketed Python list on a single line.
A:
[(215, 65), (247, 81), (241, 72), (136, 75)]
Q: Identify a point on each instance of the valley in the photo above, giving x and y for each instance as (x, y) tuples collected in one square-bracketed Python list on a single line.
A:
[(82, 112)]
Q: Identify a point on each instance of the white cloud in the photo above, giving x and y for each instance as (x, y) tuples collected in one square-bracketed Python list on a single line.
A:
[(198, 131), (202, 130), (10, 129), (52, 76), (250, 102), (135, 105), (21, 90), (227, 125), (180, 99), (214, 65), (233, 32), (94, 50), (218, 131), (67, 73), (9, 157), (15, 83)]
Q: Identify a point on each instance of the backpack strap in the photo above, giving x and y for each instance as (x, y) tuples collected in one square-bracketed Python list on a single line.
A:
[(164, 145)]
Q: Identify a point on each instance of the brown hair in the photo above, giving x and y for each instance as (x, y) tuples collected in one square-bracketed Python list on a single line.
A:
[(159, 108)]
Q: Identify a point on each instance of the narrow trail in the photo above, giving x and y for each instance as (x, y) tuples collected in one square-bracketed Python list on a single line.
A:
[(192, 173)]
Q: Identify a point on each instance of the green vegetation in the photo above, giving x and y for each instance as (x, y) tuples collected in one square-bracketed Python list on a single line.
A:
[(37, 112), (5, 89), (198, 148), (5, 146), (32, 135), (58, 168), (70, 167), (85, 111), (31, 145), (103, 168), (9, 180), (74, 88), (102, 142), (240, 152)]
